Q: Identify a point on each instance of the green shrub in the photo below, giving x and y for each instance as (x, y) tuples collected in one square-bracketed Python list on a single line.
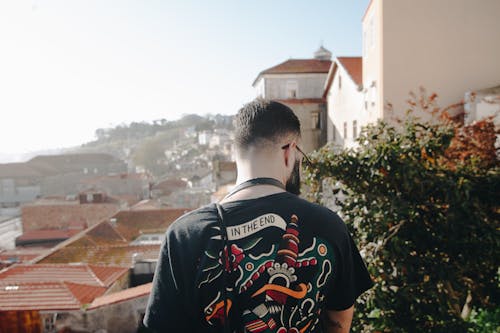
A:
[(422, 201)]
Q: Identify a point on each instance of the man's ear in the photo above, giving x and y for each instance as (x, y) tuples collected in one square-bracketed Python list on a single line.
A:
[(287, 156)]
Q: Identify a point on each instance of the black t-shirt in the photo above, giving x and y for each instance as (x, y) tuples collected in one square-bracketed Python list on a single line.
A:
[(287, 260)]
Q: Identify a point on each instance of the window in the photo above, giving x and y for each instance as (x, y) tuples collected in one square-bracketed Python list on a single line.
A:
[(373, 91), (49, 323), (340, 82), (354, 129), (315, 122), (345, 129), (372, 32), (291, 89)]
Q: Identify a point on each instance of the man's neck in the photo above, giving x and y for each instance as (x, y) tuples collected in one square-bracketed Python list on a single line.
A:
[(256, 168)]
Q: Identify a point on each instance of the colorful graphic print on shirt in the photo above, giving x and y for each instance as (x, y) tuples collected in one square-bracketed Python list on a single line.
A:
[(272, 287)]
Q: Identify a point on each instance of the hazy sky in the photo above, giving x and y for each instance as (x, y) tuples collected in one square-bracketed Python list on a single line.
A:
[(69, 67)]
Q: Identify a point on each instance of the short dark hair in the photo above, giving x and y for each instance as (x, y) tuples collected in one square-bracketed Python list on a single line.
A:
[(261, 121)]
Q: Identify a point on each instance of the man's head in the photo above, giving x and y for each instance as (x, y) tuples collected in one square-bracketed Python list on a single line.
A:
[(270, 129)]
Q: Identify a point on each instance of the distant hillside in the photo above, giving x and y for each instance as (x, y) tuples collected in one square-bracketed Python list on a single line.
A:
[(140, 142), (141, 130)]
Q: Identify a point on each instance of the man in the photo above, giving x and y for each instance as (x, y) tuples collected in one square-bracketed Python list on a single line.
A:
[(264, 260)]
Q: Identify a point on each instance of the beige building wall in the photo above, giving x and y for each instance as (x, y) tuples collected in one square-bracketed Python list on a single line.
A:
[(311, 123), (372, 61), (446, 46), (279, 86)]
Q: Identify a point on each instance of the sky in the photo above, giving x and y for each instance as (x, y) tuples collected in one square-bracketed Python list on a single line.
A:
[(69, 67)]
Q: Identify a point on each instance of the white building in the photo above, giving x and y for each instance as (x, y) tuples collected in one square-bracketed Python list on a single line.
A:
[(10, 229), (482, 104), (447, 47), (299, 83), (344, 98)]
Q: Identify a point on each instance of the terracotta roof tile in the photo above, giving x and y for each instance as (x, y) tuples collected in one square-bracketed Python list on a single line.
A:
[(121, 296), (119, 255), (298, 66), (21, 254), (50, 215), (354, 67), (108, 275), (47, 234), (47, 296), (82, 274), (105, 244), (130, 223), (84, 293), (18, 170)]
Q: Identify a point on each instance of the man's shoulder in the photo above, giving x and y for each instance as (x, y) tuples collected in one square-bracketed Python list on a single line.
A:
[(317, 210), (193, 220), (320, 217)]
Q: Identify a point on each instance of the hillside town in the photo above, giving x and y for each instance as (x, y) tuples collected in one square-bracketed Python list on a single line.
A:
[(80, 232)]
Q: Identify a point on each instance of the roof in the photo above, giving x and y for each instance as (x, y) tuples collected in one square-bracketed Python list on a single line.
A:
[(118, 254), (147, 204), (73, 158), (47, 296), (46, 235), (298, 66), (352, 65), (93, 275), (109, 243), (18, 170), (46, 165), (21, 254), (227, 166), (169, 186), (62, 215), (301, 100), (130, 223), (121, 296)]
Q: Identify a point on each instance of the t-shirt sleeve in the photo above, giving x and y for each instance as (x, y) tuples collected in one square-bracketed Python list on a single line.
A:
[(165, 312), (351, 278)]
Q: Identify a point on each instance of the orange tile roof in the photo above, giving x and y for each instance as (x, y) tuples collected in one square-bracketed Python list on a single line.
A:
[(82, 274), (354, 67), (21, 254), (18, 170), (130, 223), (107, 244), (47, 296), (121, 296), (47, 234), (62, 215), (119, 255), (298, 66)]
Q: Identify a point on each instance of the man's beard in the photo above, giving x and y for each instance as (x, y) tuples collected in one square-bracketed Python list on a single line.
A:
[(293, 183)]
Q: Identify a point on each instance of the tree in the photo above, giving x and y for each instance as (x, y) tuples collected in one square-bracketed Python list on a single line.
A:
[(422, 200)]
